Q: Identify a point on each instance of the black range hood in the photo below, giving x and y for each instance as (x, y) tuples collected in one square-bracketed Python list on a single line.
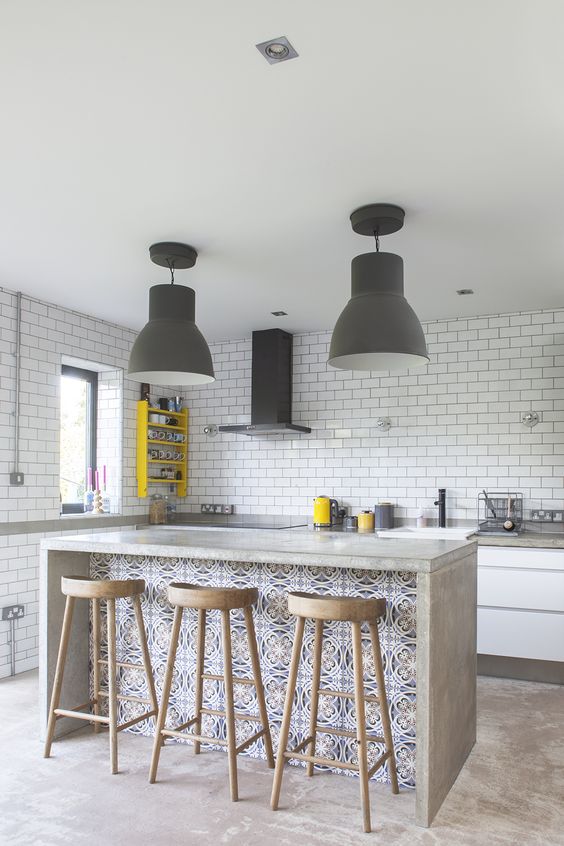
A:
[(271, 386)]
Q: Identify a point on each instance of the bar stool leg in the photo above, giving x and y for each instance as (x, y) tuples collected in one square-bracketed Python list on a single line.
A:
[(112, 684), (200, 655), (285, 727), (96, 659), (229, 705), (257, 677), (161, 719), (361, 724), (384, 706), (315, 682), (59, 672), (145, 653)]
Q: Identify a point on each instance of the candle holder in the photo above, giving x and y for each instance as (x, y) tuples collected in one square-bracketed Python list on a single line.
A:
[(98, 503)]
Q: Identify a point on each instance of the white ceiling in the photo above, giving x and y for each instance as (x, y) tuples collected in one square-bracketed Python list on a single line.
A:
[(129, 122)]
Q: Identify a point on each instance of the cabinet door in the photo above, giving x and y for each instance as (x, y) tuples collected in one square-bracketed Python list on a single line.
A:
[(534, 590), (521, 634), (520, 557)]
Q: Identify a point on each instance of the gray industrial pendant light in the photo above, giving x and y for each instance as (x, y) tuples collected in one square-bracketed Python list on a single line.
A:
[(377, 330), (170, 349)]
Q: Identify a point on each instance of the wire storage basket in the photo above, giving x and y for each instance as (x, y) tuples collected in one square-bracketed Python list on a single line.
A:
[(500, 512)]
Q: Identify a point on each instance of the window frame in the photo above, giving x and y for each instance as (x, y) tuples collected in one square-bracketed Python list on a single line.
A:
[(91, 377)]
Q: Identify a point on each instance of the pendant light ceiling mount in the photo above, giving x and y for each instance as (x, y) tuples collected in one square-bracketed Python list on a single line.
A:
[(170, 349), (380, 218), (377, 331), (173, 255)]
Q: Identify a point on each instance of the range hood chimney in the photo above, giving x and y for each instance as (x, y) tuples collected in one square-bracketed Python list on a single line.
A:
[(271, 386)]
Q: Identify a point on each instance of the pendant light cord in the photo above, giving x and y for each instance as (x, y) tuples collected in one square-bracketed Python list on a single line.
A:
[(377, 237), (171, 268)]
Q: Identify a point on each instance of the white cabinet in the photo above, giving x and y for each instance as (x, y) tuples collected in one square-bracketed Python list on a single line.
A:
[(521, 602)]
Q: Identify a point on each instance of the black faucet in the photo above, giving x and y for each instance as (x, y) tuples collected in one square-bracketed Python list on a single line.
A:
[(441, 502)]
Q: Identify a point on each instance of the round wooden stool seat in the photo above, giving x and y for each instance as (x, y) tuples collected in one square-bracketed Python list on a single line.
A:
[(82, 587), (211, 598), (351, 609)]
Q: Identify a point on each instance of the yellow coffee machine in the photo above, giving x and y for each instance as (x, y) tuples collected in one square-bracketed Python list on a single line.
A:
[(324, 512)]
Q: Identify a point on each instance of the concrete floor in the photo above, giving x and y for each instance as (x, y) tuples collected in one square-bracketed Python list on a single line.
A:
[(511, 790)]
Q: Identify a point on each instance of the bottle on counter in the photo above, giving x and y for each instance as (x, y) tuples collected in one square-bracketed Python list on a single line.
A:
[(88, 501), (157, 510)]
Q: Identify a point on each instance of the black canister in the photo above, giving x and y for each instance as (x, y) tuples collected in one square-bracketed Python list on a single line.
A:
[(383, 516)]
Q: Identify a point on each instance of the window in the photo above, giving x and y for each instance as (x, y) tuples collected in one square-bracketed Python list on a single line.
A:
[(79, 396)]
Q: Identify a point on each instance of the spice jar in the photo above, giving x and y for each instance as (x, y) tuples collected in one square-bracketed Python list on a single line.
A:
[(157, 510)]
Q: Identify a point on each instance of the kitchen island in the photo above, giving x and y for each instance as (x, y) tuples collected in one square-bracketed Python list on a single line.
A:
[(428, 635)]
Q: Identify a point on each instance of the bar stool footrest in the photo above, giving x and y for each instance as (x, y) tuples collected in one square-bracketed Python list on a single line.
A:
[(77, 715), (199, 738), (324, 762), (125, 698), (371, 738), (238, 716), (301, 745), (378, 763), (136, 720), (126, 664), (368, 697), (250, 740)]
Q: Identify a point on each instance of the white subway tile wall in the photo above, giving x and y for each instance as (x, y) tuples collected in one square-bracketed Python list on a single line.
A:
[(455, 424)]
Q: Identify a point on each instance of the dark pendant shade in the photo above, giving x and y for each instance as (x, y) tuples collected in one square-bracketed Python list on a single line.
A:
[(377, 330), (170, 349)]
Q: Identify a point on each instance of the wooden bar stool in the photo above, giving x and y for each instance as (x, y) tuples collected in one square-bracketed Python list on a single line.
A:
[(208, 599), (81, 587), (356, 611)]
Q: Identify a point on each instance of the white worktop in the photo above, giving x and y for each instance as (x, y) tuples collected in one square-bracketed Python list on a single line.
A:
[(287, 546)]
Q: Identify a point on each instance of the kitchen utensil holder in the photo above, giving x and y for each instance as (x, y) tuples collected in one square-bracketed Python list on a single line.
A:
[(492, 512)]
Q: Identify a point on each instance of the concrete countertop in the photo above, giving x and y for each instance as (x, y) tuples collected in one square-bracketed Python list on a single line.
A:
[(288, 546), (536, 540)]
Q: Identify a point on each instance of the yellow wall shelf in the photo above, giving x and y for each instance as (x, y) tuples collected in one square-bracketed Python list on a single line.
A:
[(146, 466)]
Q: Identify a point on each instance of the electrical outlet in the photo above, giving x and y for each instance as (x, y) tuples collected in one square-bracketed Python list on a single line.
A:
[(541, 515), (13, 612), (215, 508), (16, 478)]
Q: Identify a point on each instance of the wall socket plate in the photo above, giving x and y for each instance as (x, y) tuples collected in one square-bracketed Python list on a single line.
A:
[(13, 612), (543, 515), (213, 508), (16, 478)]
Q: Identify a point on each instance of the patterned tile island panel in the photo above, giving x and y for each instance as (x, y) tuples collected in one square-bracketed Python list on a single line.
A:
[(275, 632)]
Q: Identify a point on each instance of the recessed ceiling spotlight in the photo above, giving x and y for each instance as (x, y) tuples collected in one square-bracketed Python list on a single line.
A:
[(279, 313), (464, 292), (277, 50)]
